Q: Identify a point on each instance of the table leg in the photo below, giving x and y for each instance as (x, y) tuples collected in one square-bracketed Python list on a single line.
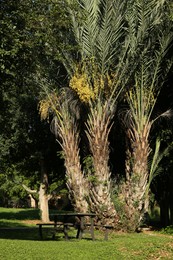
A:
[(92, 229), (78, 231), (80, 228), (40, 231), (65, 231), (65, 228), (55, 229)]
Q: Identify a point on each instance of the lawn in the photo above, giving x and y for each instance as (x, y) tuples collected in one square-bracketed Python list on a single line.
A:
[(19, 239)]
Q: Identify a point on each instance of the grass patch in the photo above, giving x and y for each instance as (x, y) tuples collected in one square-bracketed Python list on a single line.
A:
[(10, 217), (23, 243), (19, 214)]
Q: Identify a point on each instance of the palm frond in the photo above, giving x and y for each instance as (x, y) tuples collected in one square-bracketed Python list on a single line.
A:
[(145, 26), (68, 62), (110, 33), (89, 28), (156, 159)]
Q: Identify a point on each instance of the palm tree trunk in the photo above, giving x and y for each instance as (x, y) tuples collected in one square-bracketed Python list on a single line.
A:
[(135, 187), (64, 125), (98, 128), (76, 182)]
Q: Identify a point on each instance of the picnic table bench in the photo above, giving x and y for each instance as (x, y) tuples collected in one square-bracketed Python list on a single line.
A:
[(57, 227), (79, 223)]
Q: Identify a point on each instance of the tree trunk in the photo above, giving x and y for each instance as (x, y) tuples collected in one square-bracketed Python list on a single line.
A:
[(33, 202), (76, 182), (135, 188), (43, 193), (98, 128), (43, 204)]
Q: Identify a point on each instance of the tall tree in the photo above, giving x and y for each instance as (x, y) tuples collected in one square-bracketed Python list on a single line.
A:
[(152, 40), (25, 48)]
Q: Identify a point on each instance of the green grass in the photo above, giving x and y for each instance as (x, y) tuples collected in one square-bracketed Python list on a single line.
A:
[(19, 242), (10, 217)]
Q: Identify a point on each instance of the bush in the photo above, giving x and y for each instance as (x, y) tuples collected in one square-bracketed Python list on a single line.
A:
[(167, 230)]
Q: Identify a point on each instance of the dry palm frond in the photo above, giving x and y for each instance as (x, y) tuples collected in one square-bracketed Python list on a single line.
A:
[(167, 114)]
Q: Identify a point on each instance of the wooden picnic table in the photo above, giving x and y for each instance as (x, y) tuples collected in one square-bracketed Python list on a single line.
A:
[(80, 219)]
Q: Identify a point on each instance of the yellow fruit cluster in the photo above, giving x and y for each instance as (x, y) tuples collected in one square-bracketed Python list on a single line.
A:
[(79, 83), (89, 87), (50, 103)]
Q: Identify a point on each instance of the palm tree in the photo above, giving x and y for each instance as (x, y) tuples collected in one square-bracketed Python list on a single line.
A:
[(138, 173), (97, 85), (142, 98)]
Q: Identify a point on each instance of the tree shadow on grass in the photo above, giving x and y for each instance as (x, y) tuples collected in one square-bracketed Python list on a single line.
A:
[(19, 233), (12, 227), (22, 214), (32, 233)]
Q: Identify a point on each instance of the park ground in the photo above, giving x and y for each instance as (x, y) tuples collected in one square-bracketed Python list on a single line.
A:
[(19, 239)]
